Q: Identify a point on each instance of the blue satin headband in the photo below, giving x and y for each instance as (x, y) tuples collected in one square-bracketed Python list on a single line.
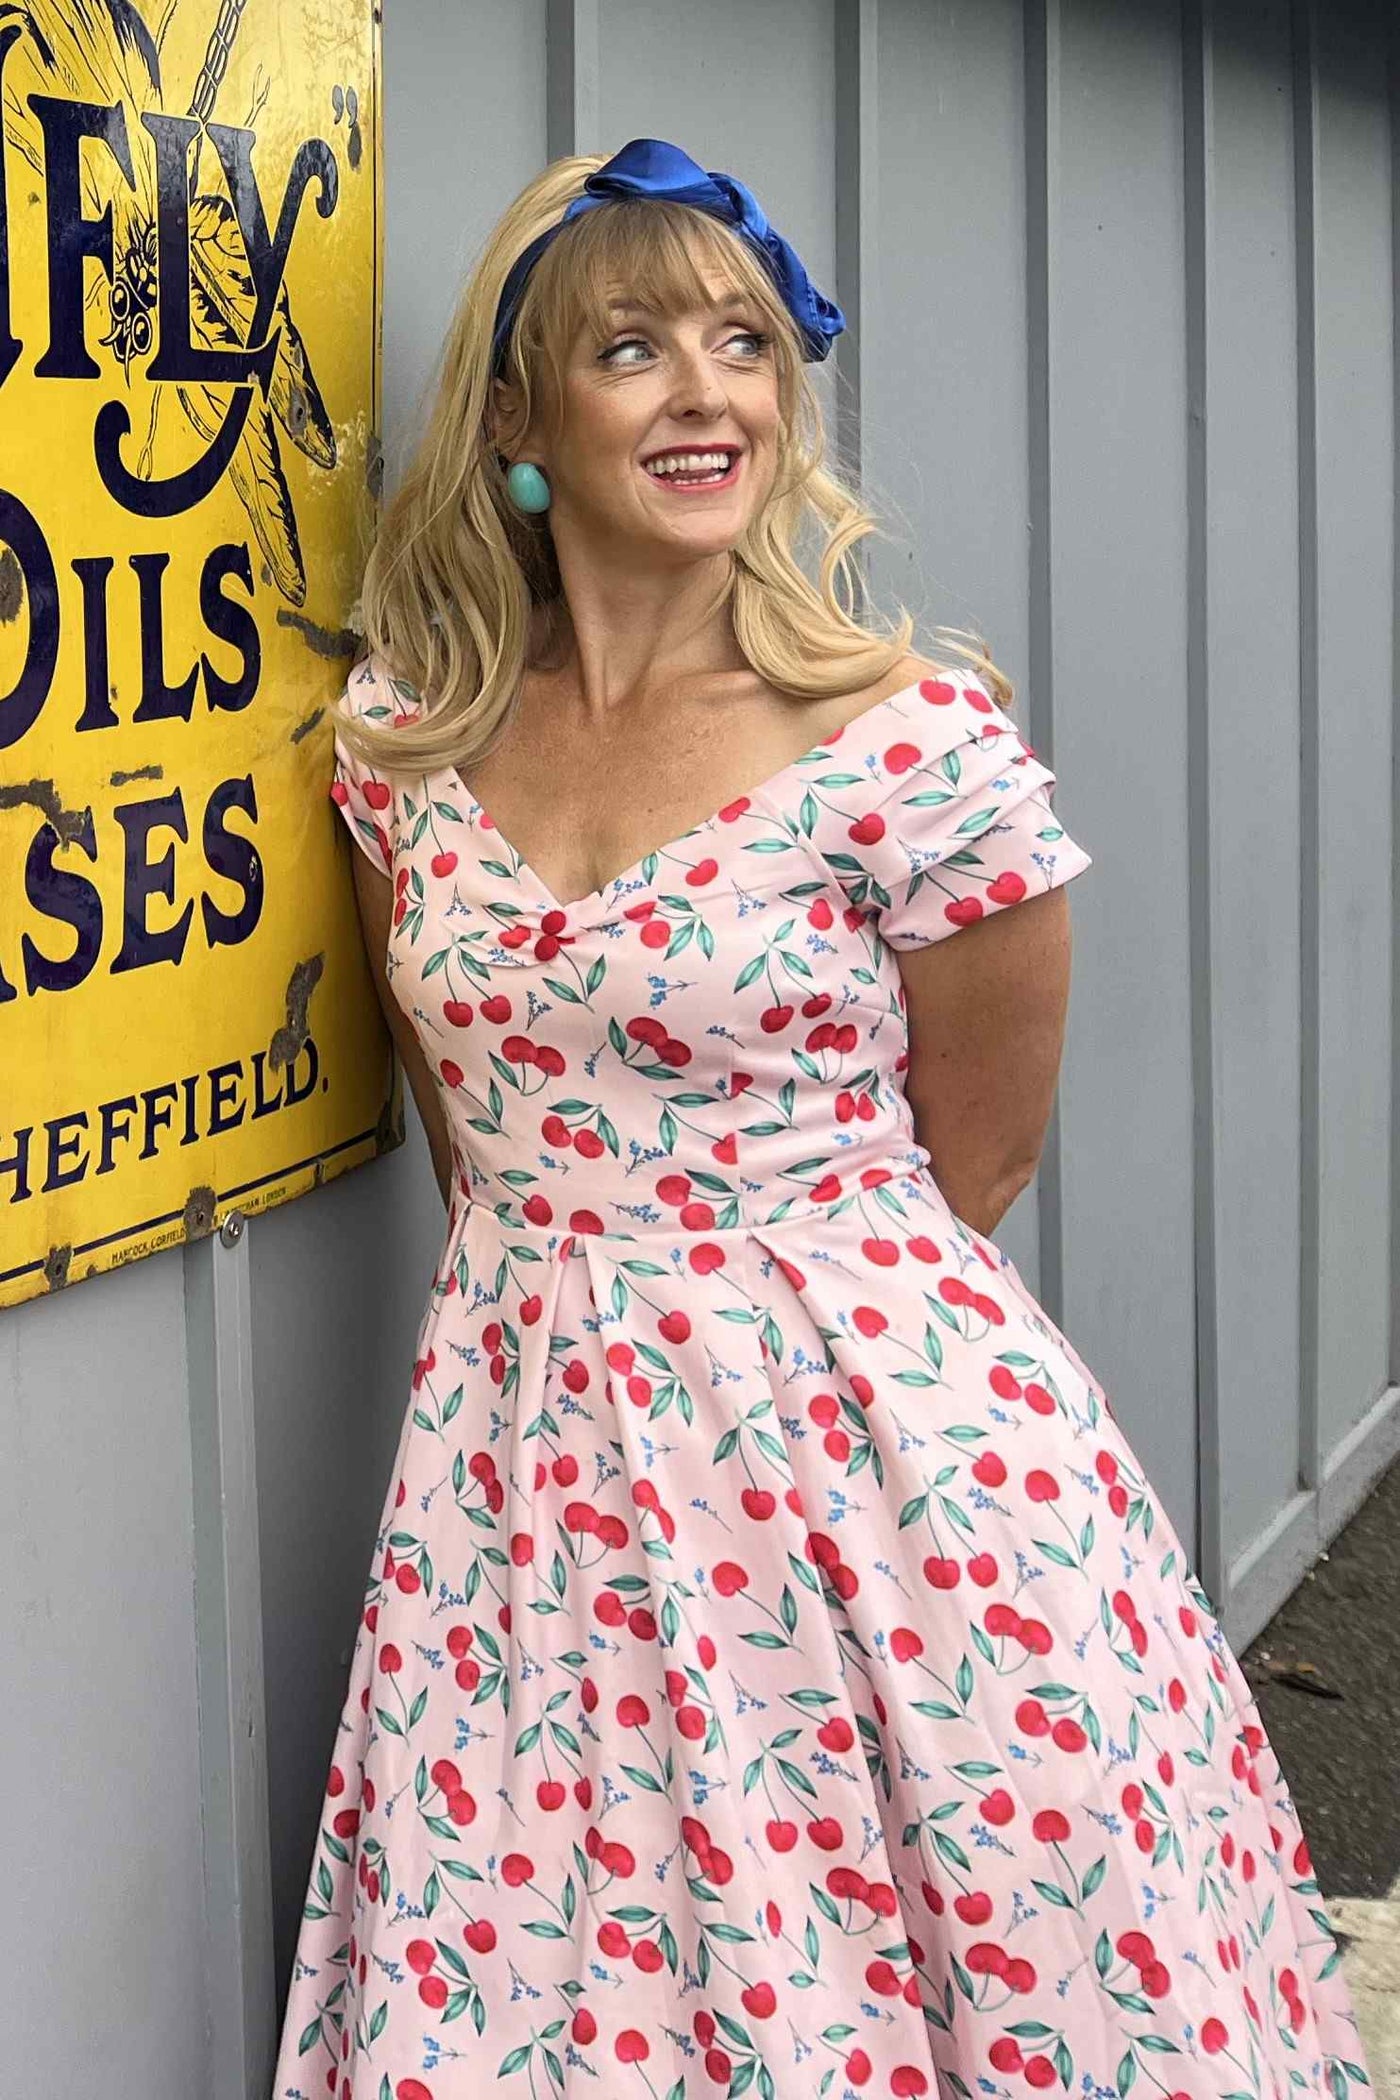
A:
[(652, 168)]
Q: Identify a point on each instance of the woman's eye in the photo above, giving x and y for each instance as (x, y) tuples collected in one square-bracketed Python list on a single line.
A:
[(635, 342)]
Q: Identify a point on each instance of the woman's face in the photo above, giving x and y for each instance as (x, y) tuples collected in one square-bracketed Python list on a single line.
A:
[(641, 411)]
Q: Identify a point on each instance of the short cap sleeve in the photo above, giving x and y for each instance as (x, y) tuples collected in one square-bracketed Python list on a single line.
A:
[(962, 825), (364, 797)]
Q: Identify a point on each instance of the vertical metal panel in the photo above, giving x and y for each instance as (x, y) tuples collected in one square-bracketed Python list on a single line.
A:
[(571, 78), (464, 129), (1117, 385), (1355, 713), (1244, 702), (102, 1931), (1199, 110), (229, 1658), (947, 459), (857, 206)]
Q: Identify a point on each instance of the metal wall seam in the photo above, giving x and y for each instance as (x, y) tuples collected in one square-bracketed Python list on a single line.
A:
[(1197, 50), (573, 113), (1040, 91), (1310, 1454)]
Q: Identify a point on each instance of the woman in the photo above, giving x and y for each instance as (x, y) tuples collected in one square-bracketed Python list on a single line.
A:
[(774, 1673)]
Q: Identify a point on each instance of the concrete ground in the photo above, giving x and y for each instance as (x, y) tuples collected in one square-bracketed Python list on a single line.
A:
[(1339, 1633)]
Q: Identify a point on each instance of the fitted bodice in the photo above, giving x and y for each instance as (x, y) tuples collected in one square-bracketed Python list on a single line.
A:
[(717, 1036)]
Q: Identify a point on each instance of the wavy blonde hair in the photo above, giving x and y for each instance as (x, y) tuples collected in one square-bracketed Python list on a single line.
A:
[(456, 572)]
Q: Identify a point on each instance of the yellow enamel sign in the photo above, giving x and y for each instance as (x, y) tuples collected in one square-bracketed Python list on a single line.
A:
[(189, 341)]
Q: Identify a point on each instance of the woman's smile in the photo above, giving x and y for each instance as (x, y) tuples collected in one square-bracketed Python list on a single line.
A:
[(695, 472)]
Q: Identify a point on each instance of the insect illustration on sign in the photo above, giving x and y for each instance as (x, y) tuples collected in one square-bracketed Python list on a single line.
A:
[(191, 277)]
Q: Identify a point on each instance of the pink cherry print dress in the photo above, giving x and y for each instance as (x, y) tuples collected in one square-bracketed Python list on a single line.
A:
[(775, 1674)]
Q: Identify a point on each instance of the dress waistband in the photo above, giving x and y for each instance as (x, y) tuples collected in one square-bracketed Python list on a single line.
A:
[(908, 1171)]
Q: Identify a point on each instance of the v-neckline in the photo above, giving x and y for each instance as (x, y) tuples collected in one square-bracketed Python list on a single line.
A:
[(593, 898)]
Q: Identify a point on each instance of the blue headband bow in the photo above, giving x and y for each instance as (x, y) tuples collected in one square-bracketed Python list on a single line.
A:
[(652, 168)]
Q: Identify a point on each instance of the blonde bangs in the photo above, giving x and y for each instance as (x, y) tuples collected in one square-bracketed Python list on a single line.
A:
[(670, 258), (456, 572)]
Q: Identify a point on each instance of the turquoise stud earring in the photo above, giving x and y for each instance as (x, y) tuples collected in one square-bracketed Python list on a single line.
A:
[(529, 491)]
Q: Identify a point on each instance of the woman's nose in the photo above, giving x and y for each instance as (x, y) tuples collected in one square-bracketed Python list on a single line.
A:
[(699, 383)]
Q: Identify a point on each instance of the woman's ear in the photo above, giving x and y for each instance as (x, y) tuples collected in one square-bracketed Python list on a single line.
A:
[(503, 416)]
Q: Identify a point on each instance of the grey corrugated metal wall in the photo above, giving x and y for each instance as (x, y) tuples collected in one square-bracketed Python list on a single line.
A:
[(1121, 377)]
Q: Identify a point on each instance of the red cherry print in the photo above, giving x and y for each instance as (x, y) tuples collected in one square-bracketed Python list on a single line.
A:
[(942, 1574), (826, 1832), (516, 1869), (728, 1577), (583, 2028), (974, 1907), (1042, 1487), (432, 1990), (858, 2067), (1005, 2055), (1040, 2072), (480, 1935), (1050, 1826), (905, 1644), (882, 1979), (998, 1807), (377, 794), (982, 1569), (1031, 1718), (907, 2079), (759, 1999), (632, 2046), (1214, 2036), (989, 1469)]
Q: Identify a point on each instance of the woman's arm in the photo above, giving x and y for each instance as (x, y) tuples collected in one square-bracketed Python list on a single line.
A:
[(375, 895), (986, 1013)]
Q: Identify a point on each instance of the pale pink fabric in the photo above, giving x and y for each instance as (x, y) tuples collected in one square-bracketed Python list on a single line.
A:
[(775, 1674)]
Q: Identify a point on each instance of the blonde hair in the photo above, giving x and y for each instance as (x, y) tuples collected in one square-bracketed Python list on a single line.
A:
[(456, 571)]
